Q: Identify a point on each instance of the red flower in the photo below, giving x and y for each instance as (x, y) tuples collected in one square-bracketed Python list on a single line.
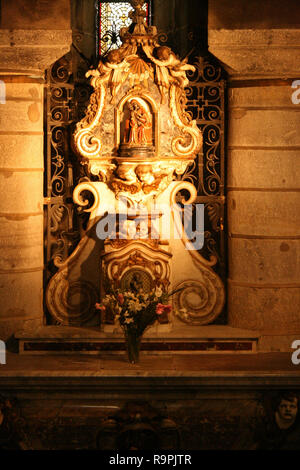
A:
[(100, 307), (161, 308), (121, 299), (167, 308)]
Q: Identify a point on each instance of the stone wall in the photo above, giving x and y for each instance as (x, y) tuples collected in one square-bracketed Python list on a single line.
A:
[(261, 53), (33, 35)]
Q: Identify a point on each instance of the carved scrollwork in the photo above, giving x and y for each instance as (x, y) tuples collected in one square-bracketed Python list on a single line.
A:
[(214, 214), (60, 72), (70, 303), (83, 202), (57, 160), (66, 240), (86, 142), (188, 173), (199, 302), (136, 152), (206, 104), (179, 145), (211, 245), (57, 213), (103, 169), (183, 185)]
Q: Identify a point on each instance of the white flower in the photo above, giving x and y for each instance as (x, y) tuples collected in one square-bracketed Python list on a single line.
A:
[(129, 320), (106, 300), (135, 306), (158, 291), (130, 295), (138, 307)]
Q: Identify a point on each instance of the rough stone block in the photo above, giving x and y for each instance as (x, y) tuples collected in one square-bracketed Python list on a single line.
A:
[(23, 192), (21, 151), (264, 213), (261, 96), (25, 288), (265, 261), (269, 128), (30, 116), (264, 308), (263, 169), (257, 52)]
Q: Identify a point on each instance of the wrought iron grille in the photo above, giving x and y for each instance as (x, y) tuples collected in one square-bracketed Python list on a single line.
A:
[(206, 104), (66, 96)]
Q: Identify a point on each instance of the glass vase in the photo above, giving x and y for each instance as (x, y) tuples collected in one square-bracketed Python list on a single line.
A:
[(133, 343)]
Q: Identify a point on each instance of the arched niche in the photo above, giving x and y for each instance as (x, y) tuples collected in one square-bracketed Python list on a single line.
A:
[(137, 124)]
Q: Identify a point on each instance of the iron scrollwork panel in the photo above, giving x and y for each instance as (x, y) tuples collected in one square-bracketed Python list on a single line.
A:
[(206, 104), (66, 95)]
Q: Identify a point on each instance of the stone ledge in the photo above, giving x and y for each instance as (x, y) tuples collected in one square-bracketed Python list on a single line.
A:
[(177, 332), (35, 38), (180, 340), (166, 372), (252, 53), (32, 50), (254, 37)]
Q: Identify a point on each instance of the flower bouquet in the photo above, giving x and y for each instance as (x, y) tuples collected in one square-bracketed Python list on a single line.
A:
[(135, 311)]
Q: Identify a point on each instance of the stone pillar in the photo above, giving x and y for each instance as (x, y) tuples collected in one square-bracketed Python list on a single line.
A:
[(263, 187), (24, 56), (21, 206), (263, 208)]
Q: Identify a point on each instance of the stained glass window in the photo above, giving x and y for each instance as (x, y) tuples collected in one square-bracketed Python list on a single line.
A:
[(112, 17)]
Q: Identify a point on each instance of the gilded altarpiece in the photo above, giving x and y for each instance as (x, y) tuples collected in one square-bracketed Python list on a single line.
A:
[(140, 147)]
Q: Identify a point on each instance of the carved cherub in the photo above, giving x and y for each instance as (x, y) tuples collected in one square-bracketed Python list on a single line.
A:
[(126, 173), (169, 69), (110, 71), (144, 173)]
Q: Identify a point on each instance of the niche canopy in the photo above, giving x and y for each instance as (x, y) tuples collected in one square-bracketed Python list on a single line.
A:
[(136, 129)]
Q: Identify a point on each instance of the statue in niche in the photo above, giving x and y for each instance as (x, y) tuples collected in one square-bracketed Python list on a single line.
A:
[(136, 283), (138, 126)]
